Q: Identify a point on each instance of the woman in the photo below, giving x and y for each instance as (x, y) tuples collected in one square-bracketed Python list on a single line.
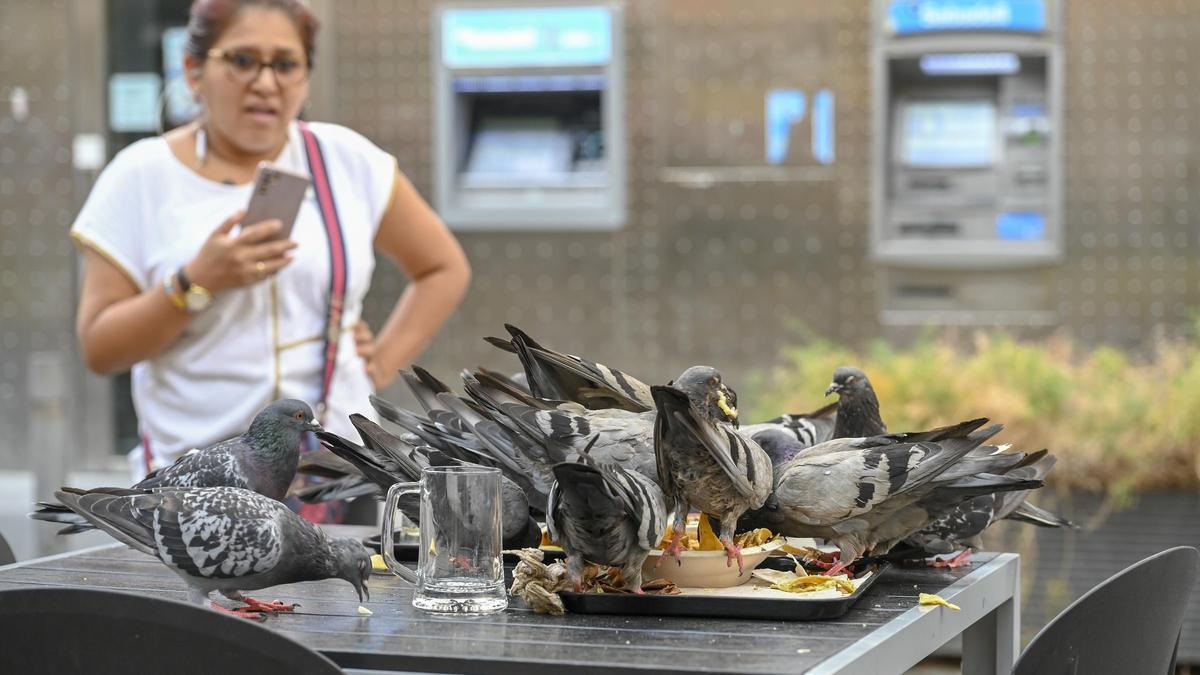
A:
[(217, 317)]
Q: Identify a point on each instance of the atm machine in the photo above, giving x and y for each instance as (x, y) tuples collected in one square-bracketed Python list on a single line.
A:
[(528, 128), (967, 175)]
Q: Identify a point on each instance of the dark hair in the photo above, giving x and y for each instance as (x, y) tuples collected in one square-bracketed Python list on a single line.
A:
[(208, 19)]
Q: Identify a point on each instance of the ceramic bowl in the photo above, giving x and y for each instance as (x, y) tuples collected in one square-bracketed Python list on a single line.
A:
[(707, 569)]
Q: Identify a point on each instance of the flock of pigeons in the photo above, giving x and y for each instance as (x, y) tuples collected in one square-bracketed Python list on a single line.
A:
[(611, 464)]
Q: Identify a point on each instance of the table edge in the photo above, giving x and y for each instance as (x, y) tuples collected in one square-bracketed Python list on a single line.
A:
[(887, 641)]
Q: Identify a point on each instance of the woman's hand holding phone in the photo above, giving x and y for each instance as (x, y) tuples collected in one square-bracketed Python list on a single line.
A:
[(229, 260)]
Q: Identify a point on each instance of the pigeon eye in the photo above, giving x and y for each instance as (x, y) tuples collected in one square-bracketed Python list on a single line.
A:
[(299, 415)]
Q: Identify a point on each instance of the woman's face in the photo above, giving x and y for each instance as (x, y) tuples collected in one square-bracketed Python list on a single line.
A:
[(252, 115)]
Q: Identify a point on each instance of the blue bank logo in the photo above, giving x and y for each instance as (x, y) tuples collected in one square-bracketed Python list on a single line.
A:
[(906, 17)]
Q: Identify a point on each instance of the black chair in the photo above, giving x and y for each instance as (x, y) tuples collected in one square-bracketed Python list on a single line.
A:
[(78, 630), (1130, 623), (6, 552)]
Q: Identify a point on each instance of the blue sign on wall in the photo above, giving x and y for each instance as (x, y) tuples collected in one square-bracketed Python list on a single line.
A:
[(1020, 225), (545, 36), (906, 17), (785, 108)]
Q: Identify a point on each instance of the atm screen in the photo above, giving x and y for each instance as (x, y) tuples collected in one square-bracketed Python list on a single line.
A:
[(945, 133), (532, 149)]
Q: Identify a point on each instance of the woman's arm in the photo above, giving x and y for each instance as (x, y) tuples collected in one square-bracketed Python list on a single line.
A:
[(411, 234), (118, 326)]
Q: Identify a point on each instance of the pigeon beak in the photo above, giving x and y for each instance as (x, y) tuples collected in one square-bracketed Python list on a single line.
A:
[(723, 404), (833, 386), (314, 426)]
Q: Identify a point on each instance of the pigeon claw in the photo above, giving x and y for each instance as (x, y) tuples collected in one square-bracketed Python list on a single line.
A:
[(243, 612), (673, 549), (734, 552), (963, 559), (836, 569), (273, 607)]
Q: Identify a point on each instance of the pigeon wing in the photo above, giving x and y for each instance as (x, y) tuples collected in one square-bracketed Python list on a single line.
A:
[(215, 466), (219, 534)]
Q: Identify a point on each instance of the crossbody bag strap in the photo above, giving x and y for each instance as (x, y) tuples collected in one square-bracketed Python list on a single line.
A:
[(337, 259)]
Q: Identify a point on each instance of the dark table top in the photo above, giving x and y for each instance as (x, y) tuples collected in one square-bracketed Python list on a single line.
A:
[(399, 637)]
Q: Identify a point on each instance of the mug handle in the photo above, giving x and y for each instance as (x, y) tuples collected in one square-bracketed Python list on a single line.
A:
[(389, 527)]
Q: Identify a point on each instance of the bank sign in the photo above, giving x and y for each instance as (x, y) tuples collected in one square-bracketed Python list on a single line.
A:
[(516, 37), (908, 17)]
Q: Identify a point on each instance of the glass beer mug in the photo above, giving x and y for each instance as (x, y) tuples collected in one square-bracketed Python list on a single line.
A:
[(459, 570)]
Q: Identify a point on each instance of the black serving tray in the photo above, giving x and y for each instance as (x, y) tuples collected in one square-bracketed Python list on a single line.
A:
[(775, 609), (404, 548)]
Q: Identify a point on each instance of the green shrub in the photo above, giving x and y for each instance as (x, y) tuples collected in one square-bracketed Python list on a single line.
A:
[(1116, 422)]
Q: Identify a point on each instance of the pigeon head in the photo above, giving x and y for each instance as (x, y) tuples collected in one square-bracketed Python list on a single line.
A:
[(849, 381), (708, 393), (286, 414), (352, 562)]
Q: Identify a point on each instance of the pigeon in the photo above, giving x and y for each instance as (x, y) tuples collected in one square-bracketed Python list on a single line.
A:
[(808, 429), (224, 539), (962, 527), (605, 515), (845, 489), (386, 460), (554, 375), (263, 459), (858, 408), (546, 433), (702, 461), (462, 430), (859, 415)]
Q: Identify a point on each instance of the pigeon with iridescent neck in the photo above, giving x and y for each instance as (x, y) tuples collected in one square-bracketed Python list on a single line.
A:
[(263, 459)]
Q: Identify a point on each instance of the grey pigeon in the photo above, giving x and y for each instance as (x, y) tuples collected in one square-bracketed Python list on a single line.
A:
[(550, 432), (223, 539), (263, 459), (962, 527), (702, 461), (557, 376), (386, 460), (844, 489), (859, 415), (605, 515), (463, 430), (808, 429), (858, 407)]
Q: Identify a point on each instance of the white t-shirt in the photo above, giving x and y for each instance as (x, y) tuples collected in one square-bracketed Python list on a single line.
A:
[(149, 214)]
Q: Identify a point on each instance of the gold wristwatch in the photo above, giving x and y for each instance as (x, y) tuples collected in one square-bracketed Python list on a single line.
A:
[(196, 298), (173, 294)]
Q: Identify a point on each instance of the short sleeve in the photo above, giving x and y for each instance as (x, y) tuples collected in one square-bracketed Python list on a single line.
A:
[(369, 165), (111, 220)]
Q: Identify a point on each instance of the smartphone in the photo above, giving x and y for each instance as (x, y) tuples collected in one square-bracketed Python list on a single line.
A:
[(278, 193)]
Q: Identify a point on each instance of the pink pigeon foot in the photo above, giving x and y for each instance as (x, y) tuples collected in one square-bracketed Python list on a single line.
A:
[(961, 560), (836, 569), (243, 612), (674, 548), (733, 552), (274, 607)]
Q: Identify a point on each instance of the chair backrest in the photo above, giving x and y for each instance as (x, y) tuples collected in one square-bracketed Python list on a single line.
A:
[(78, 630), (1130, 623), (6, 552)]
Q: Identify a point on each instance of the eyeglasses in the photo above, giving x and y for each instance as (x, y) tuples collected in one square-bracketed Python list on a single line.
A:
[(246, 65)]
